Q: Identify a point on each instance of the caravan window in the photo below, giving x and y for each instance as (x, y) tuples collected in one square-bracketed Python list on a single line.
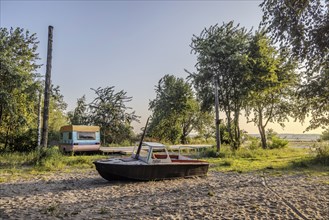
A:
[(86, 136)]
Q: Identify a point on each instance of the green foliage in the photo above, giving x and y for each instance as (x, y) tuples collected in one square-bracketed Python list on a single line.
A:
[(222, 56), (301, 25), (57, 117), (206, 126), (50, 159), (17, 159), (18, 88), (109, 111), (79, 116), (253, 143), (271, 83), (175, 111), (276, 160), (277, 143), (210, 152), (322, 153), (273, 141), (325, 135), (302, 28), (24, 142)]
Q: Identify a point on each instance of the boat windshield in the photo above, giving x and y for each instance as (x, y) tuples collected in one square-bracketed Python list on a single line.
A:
[(143, 154), (152, 153)]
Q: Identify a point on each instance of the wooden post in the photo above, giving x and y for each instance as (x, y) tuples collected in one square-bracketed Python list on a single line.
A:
[(44, 139), (217, 122)]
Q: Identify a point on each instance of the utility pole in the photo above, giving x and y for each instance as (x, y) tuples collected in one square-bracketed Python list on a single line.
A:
[(39, 117), (44, 139), (217, 122)]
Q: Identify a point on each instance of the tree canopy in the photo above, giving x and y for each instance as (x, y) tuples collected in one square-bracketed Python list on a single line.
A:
[(79, 115), (109, 111), (222, 56), (303, 27), (272, 81), (20, 85), (174, 110)]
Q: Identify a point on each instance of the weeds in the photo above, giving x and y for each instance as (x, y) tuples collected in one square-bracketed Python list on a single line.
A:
[(322, 153), (18, 164), (249, 160)]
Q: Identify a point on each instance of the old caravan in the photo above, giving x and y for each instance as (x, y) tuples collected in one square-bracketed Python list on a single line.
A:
[(79, 138)]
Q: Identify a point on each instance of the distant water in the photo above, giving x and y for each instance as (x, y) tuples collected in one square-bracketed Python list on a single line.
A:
[(295, 137)]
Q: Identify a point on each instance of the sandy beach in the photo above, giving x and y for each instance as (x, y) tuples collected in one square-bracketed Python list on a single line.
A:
[(85, 195)]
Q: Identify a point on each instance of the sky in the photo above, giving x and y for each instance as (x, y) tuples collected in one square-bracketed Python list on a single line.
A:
[(130, 45)]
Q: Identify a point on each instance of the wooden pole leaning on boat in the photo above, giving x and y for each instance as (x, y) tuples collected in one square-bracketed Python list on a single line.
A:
[(141, 142)]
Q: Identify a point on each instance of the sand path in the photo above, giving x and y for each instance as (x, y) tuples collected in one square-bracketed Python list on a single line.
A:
[(85, 195)]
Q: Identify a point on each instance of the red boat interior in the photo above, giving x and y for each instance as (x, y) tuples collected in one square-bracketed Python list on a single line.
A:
[(174, 158)]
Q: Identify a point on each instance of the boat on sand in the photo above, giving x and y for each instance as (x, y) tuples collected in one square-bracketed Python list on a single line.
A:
[(151, 161)]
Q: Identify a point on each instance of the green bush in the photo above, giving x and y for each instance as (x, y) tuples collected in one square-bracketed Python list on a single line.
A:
[(20, 142), (325, 135), (322, 153), (50, 159), (254, 143), (210, 152), (277, 143)]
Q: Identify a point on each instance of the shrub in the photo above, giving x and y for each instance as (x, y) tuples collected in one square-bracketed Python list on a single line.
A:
[(254, 143), (322, 153), (325, 135), (50, 159), (210, 152), (21, 142), (277, 143)]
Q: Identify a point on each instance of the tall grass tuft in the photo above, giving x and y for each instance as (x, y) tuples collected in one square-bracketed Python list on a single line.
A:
[(18, 159), (50, 159), (322, 153)]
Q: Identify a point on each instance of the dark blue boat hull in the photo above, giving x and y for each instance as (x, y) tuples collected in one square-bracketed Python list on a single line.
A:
[(150, 172)]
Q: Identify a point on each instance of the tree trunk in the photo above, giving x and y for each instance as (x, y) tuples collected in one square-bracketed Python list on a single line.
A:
[(217, 116), (229, 129), (236, 130), (262, 136), (6, 139), (0, 114), (261, 129)]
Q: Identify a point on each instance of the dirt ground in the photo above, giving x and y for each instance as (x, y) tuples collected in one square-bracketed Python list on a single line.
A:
[(85, 195)]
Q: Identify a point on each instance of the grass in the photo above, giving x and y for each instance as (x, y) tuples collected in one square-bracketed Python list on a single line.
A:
[(276, 161), (272, 160), (22, 165)]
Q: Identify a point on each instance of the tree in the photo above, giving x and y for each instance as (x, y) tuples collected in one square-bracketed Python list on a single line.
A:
[(272, 80), (57, 116), (222, 56), (205, 126), (109, 111), (174, 110), (303, 27), (18, 86), (79, 116), (325, 135)]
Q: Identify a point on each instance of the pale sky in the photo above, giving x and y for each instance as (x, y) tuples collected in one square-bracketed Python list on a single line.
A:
[(126, 44)]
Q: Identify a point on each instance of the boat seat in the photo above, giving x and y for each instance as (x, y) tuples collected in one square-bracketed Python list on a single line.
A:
[(159, 156), (174, 157)]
